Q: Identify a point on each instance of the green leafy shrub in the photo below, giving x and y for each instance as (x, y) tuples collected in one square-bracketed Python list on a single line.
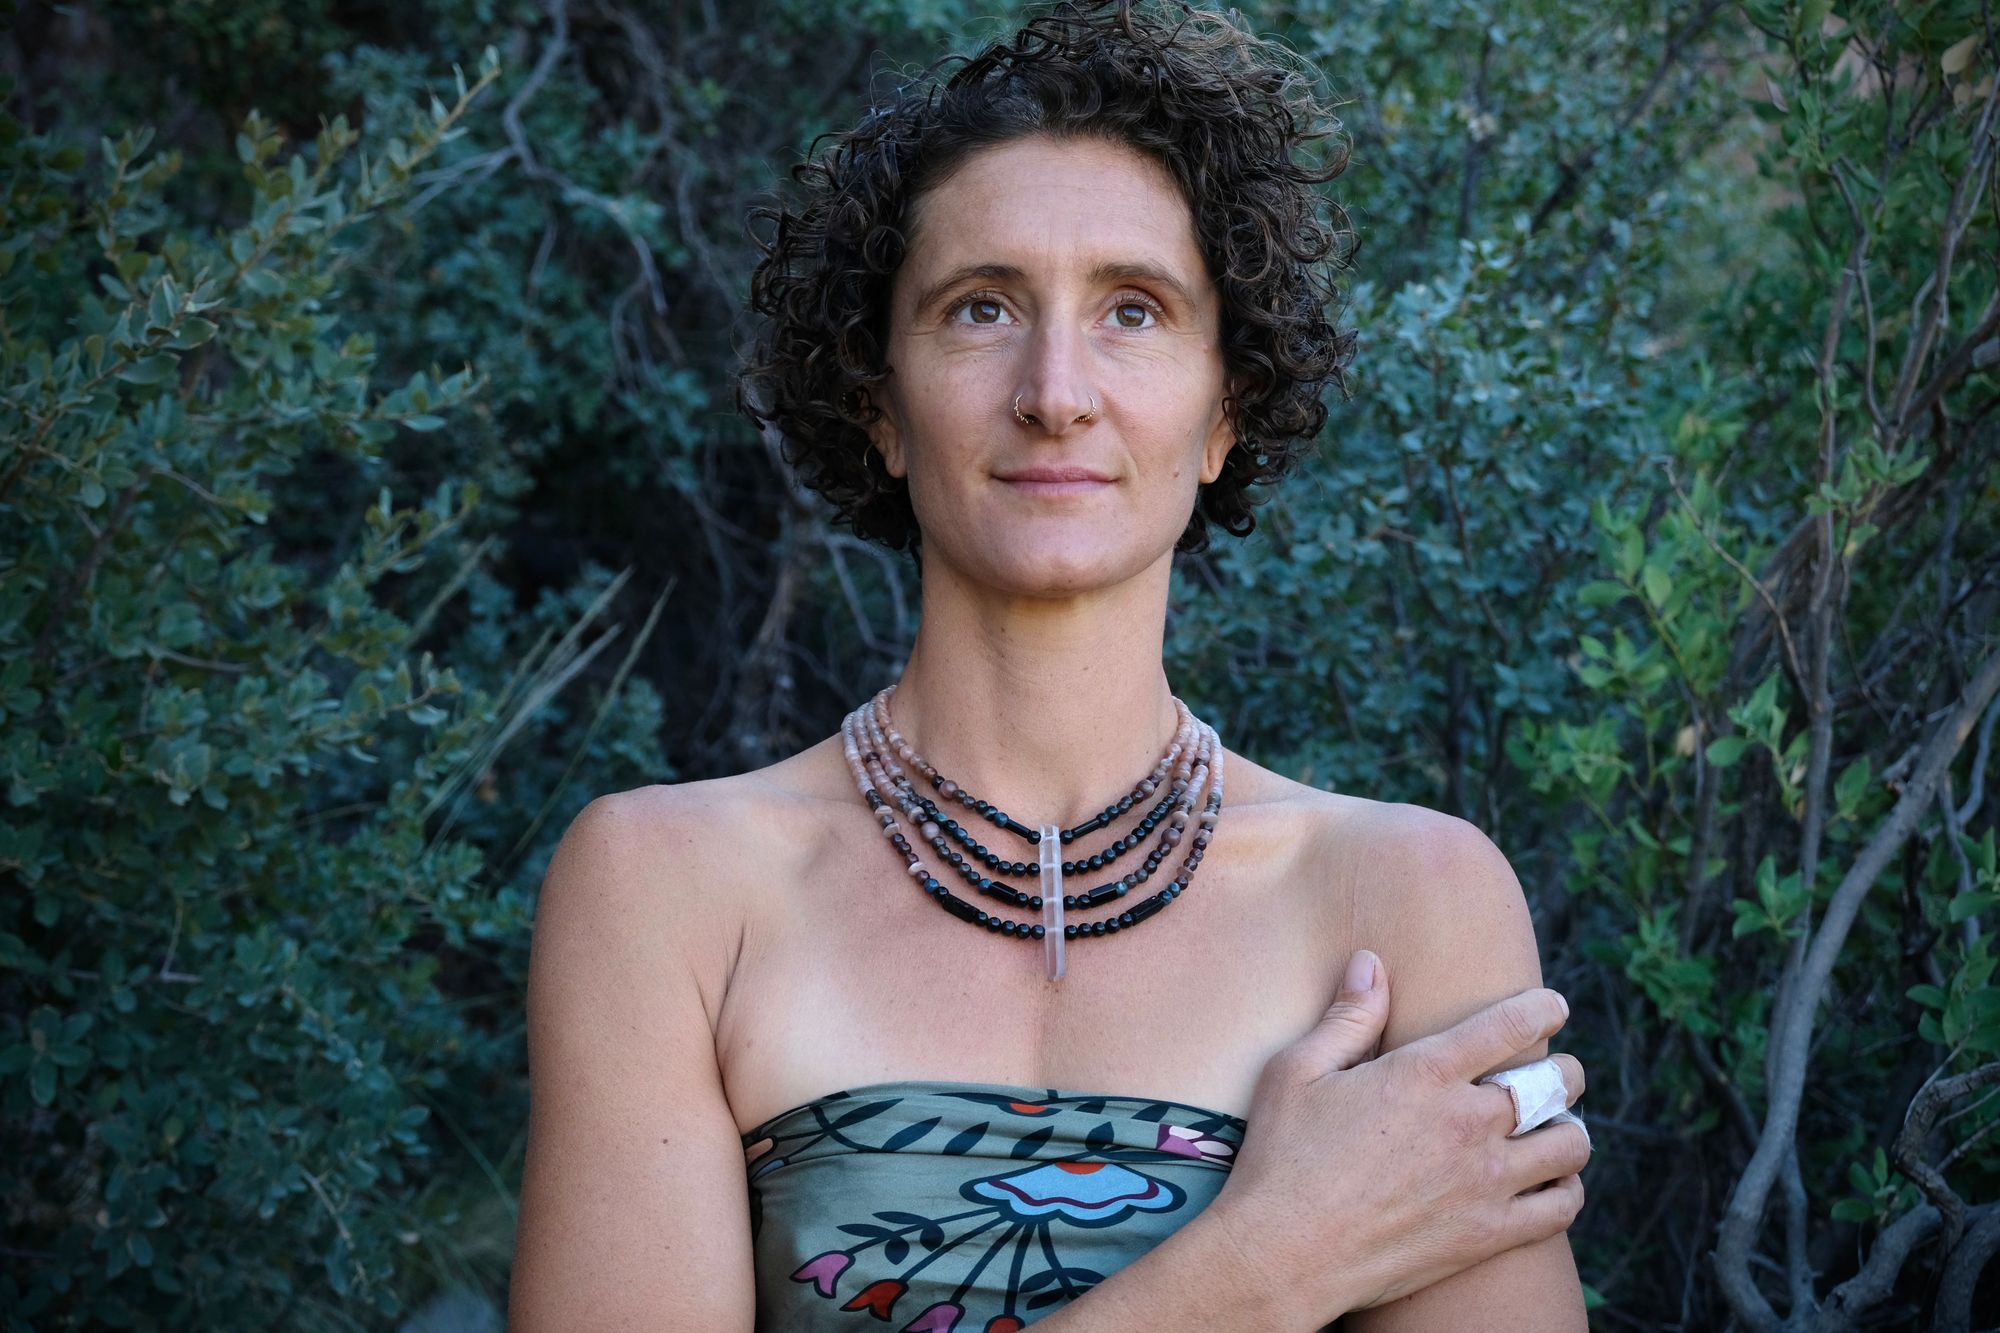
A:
[(1526, 581), (1777, 782), (237, 938)]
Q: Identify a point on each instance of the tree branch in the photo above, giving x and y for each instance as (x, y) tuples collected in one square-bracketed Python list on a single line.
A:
[(1792, 1031)]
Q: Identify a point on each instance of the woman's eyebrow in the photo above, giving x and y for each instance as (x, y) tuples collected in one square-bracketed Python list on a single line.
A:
[(936, 292), (1111, 271), (1144, 273)]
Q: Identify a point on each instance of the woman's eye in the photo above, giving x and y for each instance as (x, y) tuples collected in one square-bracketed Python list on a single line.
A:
[(980, 310), (1132, 314)]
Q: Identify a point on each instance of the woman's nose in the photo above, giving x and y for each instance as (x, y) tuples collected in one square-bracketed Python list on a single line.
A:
[(1055, 392)]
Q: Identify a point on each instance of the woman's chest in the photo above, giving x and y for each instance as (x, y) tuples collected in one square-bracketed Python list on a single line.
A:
[(849, 974)]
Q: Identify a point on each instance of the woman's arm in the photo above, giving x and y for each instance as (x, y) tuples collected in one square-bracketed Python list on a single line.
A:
[(634, 1210), (1462, 939)]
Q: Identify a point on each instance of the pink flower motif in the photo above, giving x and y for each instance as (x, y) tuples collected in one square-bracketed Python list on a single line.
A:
[(939, 1318), (1185, 1142), (823, 1270)]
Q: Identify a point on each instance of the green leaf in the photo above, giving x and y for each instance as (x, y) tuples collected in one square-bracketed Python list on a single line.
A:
[(1726, 750), (1658, 585), (1631, 552), (154, 369), (1966, 905), (194, 331)]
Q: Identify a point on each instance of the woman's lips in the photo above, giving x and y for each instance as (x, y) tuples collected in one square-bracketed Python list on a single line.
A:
[(1057, 481)]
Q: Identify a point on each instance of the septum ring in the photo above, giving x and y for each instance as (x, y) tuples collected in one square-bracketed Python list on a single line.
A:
[(1025, 418)]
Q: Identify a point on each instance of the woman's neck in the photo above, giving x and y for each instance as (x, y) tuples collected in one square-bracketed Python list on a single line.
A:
[(1050, 709)]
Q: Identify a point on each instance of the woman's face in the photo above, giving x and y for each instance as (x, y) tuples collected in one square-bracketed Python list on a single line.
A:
[(1063, 274)]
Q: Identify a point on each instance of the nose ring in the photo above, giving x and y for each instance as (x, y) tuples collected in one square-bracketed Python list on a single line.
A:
[(1026, 417)]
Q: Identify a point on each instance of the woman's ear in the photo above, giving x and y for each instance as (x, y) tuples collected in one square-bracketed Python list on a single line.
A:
[(887, 441), (1221, 439)]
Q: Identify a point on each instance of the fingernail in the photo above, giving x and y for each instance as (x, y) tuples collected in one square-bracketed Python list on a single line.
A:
[(1361, 971), (1564, 1003)]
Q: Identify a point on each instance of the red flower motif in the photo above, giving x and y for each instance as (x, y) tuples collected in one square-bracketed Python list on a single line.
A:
[(876, 1297), (1004, 1323)]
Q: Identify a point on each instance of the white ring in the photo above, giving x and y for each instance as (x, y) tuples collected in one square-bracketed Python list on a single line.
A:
[(1540, 1096)]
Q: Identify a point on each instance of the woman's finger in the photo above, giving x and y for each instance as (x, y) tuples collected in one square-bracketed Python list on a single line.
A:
[(1494, 1038)]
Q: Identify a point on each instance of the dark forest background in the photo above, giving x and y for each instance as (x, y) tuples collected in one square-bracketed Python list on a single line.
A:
[(371, 498)]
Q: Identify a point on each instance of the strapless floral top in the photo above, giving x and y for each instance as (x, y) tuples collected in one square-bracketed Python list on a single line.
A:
[(949, 1207)]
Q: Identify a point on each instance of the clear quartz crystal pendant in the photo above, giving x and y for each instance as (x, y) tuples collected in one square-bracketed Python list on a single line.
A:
[(1052, 896)]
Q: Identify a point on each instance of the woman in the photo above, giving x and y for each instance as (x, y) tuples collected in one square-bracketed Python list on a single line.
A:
[(1044, 324)]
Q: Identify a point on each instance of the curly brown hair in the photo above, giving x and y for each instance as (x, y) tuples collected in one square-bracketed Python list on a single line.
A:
[(1232, 117)]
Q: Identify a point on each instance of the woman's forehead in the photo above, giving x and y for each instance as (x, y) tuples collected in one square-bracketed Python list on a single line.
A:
[(1047, 208)]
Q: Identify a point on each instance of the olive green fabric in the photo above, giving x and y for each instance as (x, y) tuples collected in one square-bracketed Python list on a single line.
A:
[(949, 1207)]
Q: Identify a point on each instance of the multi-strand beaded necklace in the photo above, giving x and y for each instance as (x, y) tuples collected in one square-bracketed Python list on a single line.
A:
[(880, 759)]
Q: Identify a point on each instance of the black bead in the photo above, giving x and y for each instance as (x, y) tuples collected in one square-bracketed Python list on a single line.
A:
[(1006, 927), (1069, 932), (1037, 931), (1035, 901), (1125, 918), (1097, 927)]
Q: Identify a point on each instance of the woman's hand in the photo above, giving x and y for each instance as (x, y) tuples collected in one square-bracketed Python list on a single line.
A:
[(1362, 1180)]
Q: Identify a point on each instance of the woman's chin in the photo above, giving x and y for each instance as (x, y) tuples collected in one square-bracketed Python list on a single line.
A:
[(1060, 571)]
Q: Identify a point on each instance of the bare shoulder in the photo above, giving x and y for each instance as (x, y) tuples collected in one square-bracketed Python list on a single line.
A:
[(680, 862), (1428, 892)]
